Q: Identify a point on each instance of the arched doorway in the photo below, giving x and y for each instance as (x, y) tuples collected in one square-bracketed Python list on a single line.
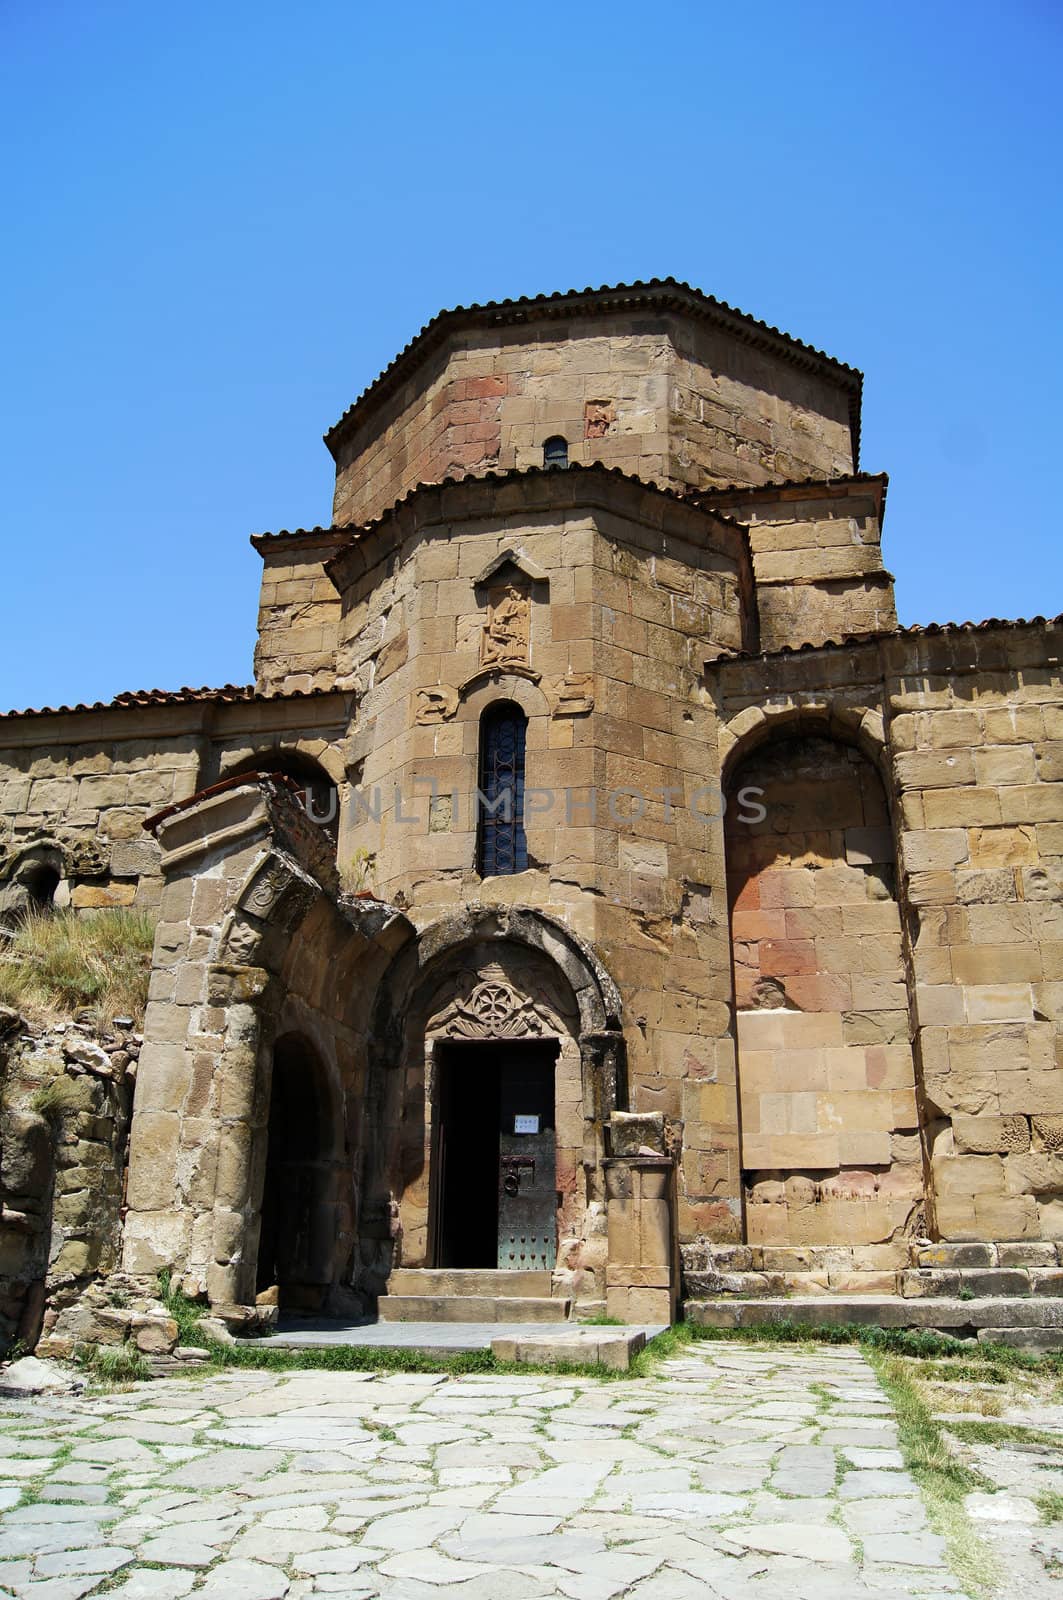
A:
[(830, 1143), (490, 986), (494, 1198), (298, 1217)]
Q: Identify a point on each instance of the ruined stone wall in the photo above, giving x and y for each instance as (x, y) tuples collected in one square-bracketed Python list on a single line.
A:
[(661, 398), (86, 783), (77, 787), (830, 1129), (65, 1098)]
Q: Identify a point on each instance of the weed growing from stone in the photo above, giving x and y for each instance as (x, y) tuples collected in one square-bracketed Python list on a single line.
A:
[(1050, 1504), (185, 1312), (112, 1363)]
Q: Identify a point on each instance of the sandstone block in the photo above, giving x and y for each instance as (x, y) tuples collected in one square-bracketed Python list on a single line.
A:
[(987, 1134), (154, 1335)]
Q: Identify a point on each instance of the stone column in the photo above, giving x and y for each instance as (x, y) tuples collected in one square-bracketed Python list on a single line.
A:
[(642, 1276)]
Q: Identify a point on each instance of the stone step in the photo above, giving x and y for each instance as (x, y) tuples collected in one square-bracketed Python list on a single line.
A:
[(471, 1308), (1005, 1253), (761, 1285), (918, 1282), (1023, 1338), (470, 1280), (949, 1315), (913, 1283)]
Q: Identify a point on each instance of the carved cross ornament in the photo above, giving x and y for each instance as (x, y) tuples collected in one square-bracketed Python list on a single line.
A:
[(494, 1011)]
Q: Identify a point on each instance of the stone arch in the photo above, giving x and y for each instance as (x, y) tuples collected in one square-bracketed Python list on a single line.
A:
[(491, 684), (554, 987), (814, 713), (30, 881), (830, 1131), (317, 772)]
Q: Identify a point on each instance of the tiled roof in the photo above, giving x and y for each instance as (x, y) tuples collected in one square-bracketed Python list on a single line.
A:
[(774, 487), (668, 293), (228, 694), (569, 474), (913, 630)]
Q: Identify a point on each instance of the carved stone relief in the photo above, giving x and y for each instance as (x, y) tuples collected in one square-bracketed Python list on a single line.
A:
[(598, 418), (573, 694), (436, 704), (507, 631), (494, 1011)]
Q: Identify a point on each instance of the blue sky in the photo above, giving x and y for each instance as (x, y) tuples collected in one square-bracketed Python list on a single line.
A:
[(223, 219)]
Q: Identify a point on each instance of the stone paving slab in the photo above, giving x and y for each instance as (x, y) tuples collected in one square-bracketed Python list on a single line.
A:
[(730, 1474), (429, 1338)]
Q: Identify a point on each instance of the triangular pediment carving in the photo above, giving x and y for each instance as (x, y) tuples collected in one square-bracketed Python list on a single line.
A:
[(507, 565)]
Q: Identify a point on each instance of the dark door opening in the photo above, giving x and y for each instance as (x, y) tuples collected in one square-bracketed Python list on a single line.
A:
[(295, 1235), (494, 1181)]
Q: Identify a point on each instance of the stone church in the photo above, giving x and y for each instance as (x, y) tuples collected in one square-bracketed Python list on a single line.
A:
[(597, 899)]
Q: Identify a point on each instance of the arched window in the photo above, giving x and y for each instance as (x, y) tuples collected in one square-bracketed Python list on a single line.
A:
[(555, 452), (501, 845)]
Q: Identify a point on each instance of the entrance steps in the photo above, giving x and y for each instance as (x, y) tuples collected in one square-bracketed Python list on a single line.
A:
[(1004, 1293), (910, 1269), (445, 1294)]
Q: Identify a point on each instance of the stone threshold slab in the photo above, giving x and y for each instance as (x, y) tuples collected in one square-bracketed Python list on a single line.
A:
[(429, 1338)]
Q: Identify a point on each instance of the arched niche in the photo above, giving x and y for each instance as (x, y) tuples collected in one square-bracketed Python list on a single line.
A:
[(830, 1139)]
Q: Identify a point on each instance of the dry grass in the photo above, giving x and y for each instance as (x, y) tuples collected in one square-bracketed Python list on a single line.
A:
[(57, 965), (943, 1398)]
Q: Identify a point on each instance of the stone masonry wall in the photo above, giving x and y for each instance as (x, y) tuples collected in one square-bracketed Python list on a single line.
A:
[(298, 614), (629, 851), (661, 398), (79, 785), (977, 735), (830, 1129), (968, 724), (818, 562)]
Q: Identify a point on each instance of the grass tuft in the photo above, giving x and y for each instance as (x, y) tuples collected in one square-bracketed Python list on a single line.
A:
[(1050, 1504), (1002, 1433), (185, 1312), (113, 1363), (52, 1099), (56, 965), (942, 1477)]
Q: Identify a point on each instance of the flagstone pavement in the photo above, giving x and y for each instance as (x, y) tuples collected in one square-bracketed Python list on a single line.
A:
[(732, 1474)]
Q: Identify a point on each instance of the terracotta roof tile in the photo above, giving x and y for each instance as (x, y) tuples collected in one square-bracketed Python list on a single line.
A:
[(912, 630), (669, 293), (568, 474), (228, 694)]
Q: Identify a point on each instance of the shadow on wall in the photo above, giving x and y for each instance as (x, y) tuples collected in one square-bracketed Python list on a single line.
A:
[(300, 1194)]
